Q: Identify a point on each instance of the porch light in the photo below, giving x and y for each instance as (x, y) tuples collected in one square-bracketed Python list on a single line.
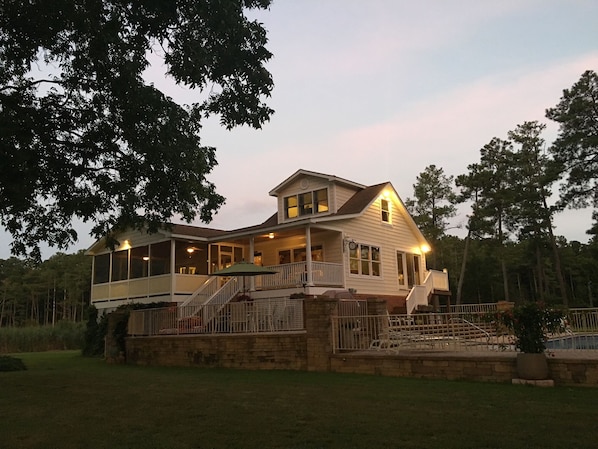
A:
[(425, 249), (145, 258), (190, 250), (271, 235), (125, 245)]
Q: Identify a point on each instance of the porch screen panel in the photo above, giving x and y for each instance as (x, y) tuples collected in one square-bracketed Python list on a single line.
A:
[(101, 269), (160, 258), (139, 262), (120, 265)]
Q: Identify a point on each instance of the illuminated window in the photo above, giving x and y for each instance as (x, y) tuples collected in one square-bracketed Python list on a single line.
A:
[(364, 260), (308, 203), (300, 255), (385, 209)]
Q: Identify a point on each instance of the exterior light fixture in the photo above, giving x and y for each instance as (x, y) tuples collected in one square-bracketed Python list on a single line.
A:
[(425, 248), (271, 235), (190, 250)]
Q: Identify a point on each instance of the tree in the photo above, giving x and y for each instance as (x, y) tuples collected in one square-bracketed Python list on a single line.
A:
[(576, 146), (433, 203), (490, 182), (533, 175), (83, 135)]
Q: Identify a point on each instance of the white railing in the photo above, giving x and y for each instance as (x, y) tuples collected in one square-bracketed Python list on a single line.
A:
[(265, 315), (292, 275), (583, 320), (452, 332), (217, 301), (418, 296), (434, 280), (474, 308), (203, 293)]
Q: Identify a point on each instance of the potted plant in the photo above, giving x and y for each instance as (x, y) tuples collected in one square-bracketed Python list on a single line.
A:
[(531, 323)]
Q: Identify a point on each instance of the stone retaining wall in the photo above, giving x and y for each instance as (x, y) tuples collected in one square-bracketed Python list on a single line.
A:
[(486, 367), (311, 350)]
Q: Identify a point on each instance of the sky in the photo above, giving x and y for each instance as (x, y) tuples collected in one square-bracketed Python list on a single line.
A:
[(375, 91)]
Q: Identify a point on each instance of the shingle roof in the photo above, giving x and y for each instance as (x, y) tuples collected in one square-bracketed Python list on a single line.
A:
[(362, 199)]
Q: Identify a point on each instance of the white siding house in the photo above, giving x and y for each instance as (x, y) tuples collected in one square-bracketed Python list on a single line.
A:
[(327, 233)]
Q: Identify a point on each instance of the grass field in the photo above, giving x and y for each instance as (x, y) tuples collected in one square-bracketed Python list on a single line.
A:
[(66, 401)]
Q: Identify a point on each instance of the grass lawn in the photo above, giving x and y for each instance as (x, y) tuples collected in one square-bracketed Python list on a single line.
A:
[(66, 401)]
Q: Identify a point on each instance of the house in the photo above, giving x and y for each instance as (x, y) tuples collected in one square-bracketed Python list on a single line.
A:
[(327, 233)]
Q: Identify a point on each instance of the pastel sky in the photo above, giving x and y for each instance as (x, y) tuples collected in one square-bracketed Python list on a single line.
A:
[(377, 90)]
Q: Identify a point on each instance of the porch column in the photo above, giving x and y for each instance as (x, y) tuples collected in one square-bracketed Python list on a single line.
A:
[(251, 260), (172, 271), (310, 280)]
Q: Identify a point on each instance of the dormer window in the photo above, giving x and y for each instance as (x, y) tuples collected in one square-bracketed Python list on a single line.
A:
[(308, 203)]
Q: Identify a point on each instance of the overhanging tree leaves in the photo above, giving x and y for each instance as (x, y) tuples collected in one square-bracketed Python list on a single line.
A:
[(83, 135)]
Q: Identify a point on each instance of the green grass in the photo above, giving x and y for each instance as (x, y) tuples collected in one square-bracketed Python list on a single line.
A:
[(66, 401)]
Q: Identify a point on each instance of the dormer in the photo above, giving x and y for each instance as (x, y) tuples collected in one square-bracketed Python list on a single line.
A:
[(307, 194)]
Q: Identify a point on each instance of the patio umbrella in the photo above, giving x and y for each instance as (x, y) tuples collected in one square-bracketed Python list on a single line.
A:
[(244, 269)]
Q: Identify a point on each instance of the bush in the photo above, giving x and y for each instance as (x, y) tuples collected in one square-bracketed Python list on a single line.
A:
[(95, 332), (8, 363)]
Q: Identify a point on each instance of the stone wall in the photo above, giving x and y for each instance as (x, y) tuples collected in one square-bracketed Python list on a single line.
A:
[(247, 351), (311, 350), (485, 367)]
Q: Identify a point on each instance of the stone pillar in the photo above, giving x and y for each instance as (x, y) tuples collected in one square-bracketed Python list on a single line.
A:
[(376, 306), (318, 327)]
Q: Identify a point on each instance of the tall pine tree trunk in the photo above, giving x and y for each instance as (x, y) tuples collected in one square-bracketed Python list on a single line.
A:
[(463, 265)]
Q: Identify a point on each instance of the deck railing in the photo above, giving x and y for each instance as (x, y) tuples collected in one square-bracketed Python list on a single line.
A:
[(265, 315), (292, 275)]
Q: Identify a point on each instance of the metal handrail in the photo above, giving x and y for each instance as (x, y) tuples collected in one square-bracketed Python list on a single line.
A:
[(469, 323)]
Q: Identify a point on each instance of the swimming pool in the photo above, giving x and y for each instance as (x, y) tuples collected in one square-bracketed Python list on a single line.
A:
[(573, 342)]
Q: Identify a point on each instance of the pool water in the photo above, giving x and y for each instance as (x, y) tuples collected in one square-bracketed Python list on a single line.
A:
[(574, 342)]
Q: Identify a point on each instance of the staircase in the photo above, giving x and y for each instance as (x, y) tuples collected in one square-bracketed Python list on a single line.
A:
[(208, 300)]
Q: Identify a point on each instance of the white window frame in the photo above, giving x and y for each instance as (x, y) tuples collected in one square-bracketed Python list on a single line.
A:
[(355, 255)]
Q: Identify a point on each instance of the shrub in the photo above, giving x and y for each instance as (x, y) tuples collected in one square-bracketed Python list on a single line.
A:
[(8, 363)]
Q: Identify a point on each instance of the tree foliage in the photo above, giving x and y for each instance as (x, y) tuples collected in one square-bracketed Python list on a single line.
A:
[(576, 146), (82, 134), (433, 203)]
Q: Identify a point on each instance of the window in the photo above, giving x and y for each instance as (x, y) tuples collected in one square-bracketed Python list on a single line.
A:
[(321, 200), (290, 205), (364, 260), (101, 269), (308, 203), (385, 208), (300, 255)]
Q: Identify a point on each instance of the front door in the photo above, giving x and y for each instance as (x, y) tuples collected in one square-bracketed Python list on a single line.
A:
[(408, 273)]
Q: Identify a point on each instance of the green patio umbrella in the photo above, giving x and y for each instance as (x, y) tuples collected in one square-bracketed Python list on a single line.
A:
[(244, 269)]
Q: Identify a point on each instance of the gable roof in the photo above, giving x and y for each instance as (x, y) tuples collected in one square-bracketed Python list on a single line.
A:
[(361, 200), (356, 205), (328, 178)]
